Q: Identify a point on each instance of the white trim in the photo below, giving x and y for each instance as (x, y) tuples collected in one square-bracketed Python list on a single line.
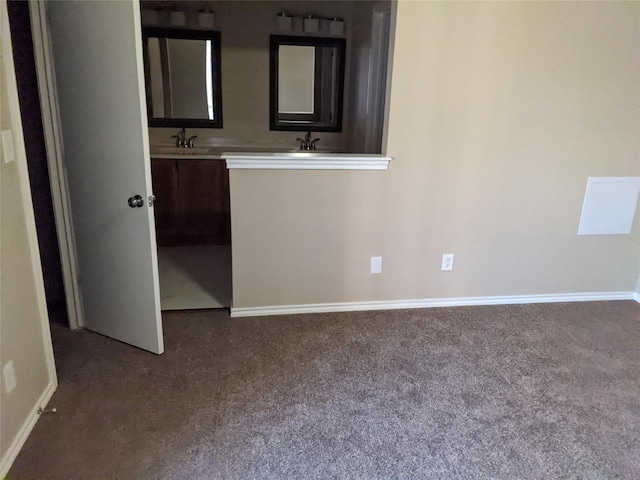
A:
[(20, 439), (305, 161), (636, 297), (25, 190), (34, 253), (429, 303), (57, 174)]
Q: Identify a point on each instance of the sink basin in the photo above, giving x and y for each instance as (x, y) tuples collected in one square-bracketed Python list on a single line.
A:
[(284, 151), (216, 151), (180, 151), (308, 153)]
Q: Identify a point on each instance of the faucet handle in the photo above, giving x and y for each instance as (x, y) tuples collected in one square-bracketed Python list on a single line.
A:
[(312, 144), (190, 141)]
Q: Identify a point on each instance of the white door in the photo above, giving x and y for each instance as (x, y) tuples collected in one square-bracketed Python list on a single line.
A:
[(97, 55)]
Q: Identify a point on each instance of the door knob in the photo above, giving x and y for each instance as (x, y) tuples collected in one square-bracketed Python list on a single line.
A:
[(136, 201)]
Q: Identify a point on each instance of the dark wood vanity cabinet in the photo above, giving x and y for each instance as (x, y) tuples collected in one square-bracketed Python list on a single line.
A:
[(192, 202), (164, 173)]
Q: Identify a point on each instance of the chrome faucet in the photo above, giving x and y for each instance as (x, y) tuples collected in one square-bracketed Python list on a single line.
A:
[(306, 143), (182, 141)]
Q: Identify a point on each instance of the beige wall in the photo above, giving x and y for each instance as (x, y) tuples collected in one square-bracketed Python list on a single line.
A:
[(22, 304), (499, 112)]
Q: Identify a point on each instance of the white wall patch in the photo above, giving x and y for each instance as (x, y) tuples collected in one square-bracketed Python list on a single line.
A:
[(376, 265), (9, 374), (609, 205), (8, 150)]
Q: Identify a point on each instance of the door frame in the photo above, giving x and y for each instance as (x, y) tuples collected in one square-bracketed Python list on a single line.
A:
[(17, 135), (57, 172)]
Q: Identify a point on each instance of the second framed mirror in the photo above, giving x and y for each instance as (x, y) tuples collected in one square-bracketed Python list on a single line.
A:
[(306, 83)]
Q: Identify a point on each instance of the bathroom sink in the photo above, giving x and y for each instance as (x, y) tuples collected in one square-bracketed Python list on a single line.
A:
[(216, 151), (308, 153), (282, 151), (180, 151)]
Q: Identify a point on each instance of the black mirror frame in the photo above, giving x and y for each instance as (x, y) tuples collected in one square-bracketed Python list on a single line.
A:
[(275, 42), (216, 59)]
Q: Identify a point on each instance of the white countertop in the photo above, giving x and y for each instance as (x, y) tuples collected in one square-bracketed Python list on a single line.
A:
[(277, 159)]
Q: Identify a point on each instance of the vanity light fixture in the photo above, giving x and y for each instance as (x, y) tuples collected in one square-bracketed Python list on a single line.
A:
[(311, 25), (336, 26), (284, 22), (206, 19), (177, 19)]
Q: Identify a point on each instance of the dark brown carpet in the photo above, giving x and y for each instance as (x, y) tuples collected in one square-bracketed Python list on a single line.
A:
[(536, 391)]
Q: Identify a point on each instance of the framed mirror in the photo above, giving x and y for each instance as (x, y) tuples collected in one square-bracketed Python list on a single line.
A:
[(182, 77), (306, 77)]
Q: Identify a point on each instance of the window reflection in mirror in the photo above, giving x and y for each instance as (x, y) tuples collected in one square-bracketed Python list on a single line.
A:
[(296, 79), (307, 83), (182, 73)]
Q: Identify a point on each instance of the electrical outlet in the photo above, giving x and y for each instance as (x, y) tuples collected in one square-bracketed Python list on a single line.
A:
[(447, 261), (9, 375), (376, 264)]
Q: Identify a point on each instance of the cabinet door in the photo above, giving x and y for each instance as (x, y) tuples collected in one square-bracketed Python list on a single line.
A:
[(166, 209), (204, 201)]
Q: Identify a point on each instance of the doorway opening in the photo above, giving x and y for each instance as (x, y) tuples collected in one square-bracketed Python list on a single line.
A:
[(193, 232), (31, 114)]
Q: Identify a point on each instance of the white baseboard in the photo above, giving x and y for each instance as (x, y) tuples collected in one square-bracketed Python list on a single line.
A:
[(23, 434), (431, 302)]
